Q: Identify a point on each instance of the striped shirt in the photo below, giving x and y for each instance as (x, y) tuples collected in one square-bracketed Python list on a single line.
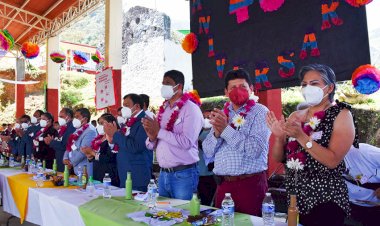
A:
[(243, 151)]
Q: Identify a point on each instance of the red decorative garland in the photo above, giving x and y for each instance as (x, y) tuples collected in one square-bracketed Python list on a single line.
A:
[(38, 134), (131, 122), (247, 108), (115, 149), (62, 131), (74, 137), (293, 146), (169, 127), (96, 142)]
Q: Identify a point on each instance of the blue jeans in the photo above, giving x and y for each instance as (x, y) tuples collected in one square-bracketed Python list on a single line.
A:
[(180, 184)]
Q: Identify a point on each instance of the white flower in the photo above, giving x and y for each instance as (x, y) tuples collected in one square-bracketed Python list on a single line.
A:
[(292, 139), (314, 122), (238, 121), (294, 164), (254, 97)]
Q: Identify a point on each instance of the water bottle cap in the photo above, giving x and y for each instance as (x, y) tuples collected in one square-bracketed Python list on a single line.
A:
[(152, 180), (106, 174), (268, 194), (228, 194)]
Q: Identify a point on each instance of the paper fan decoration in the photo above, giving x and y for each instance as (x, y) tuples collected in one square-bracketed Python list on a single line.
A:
[(358, 3), (271, 5), (80, 58), (6, 41), (30, 50), (366, 79), (97, 57), (194, 97), (190, 43), (57, 56)]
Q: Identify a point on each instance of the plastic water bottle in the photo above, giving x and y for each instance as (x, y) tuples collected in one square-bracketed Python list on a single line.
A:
[(107, 189), (11, 161), (268, 210), (40, 177), (90, 189), (79, 174), (1, 160), (228, 210), (39, 164), (152, 194), (31, 167)]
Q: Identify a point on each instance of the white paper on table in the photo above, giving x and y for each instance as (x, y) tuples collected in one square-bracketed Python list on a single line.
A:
[(258, 221)]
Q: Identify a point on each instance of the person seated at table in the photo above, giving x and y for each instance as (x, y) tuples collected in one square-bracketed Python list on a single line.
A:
[(41, 150), (82, 137), (15, 146), (32, 130), (132, 154), (363, 182), (100, 153)]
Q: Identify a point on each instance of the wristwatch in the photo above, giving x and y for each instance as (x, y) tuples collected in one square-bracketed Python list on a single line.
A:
[(309, 144)]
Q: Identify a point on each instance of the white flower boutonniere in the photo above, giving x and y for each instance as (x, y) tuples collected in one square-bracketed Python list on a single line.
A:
[(238, 121), (314, 122), (295, 164), (31, 134)]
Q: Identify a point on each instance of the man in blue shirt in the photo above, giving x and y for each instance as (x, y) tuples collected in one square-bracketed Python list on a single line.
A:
[(239, 142)]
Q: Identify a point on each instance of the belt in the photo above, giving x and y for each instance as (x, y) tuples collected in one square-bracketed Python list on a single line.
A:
[(178, 168), (240, 177)]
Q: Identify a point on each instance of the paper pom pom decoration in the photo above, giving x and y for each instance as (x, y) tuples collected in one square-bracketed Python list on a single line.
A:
[(194, 97), (30, 50), (190, 43), (271, 5), (366, 79), (80, 58), (57, 57), (2, 53), (97, 57), (6, 40), (358, 3)]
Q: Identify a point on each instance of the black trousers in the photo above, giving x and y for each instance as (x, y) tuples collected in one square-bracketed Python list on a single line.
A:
[(325, 214)]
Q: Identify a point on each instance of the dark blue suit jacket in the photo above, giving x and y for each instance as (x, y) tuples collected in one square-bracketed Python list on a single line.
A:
[(133, 156), (59, 146), (28, 137)]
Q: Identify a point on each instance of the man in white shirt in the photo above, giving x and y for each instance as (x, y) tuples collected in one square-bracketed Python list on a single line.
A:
[(363, 182)]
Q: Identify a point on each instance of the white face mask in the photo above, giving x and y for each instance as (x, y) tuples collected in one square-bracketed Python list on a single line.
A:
[(313, 95), (61, 121), (120, 120), (17, 126), (76, 123), (207, 124), (126, 112), (167, 91), (100, 129), (24, 125), (43, 123), (33, 120)]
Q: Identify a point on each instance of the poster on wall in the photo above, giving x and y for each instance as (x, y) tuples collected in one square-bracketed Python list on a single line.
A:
[(273, 45), (104, 89)]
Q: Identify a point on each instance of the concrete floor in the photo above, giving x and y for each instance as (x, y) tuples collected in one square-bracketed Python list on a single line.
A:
[(13, 222)]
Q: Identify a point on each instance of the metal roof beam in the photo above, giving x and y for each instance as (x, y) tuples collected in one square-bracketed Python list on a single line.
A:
[(38, 20), (8, 9), (16, 13)]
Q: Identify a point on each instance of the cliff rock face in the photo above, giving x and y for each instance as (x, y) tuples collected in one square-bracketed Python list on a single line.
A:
[(141, 24)]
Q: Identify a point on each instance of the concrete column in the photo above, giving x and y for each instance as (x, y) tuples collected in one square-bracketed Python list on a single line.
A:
[(272, 100), (20, 89), (53, 78), (113, 35)]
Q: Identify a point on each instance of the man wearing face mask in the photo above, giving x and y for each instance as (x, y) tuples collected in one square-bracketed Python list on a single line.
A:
[(207, 185), (82, 137), (239, 142), (59, 142), (41, 150), (30, 133), (17, 142), (132, 155), (174, 136)]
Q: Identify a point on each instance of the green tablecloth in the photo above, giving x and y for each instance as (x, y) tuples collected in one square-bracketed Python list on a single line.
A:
[(113, 212)]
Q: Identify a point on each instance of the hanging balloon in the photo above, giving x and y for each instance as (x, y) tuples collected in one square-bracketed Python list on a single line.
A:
[(97, 57), (190, 43), (6, 41), (80, 57), (366, 79), (271, 5), (30, 50), (358, 3), (57, 56)]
